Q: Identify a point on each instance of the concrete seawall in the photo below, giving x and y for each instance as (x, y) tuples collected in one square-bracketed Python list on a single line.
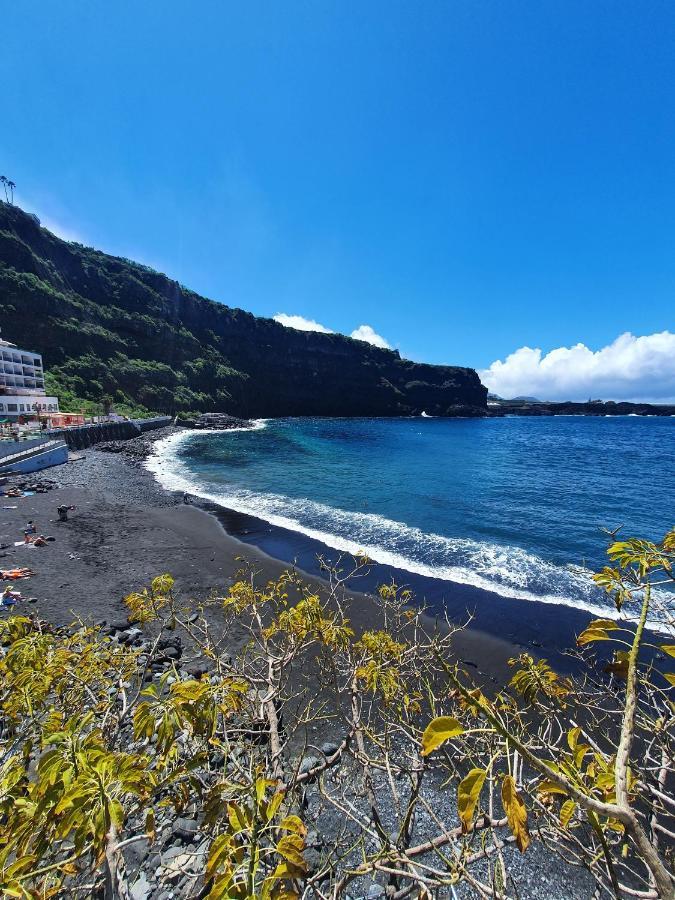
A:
[(27, 459), (83, 436)]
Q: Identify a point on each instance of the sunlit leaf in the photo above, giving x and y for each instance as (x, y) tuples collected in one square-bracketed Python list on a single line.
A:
[(438, 731), (597, 631), (468, 793), (566, 812), (550, 787), (290, 846), (516, 813)]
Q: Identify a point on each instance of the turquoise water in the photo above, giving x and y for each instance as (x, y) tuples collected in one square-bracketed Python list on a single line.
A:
[(514, 505)]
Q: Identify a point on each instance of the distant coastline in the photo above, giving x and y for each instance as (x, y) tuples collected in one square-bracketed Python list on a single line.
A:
[(498, 408)]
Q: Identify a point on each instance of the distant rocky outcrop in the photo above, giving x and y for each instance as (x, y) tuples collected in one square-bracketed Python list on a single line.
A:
[(109, 327), (569, 408), (220, 422)]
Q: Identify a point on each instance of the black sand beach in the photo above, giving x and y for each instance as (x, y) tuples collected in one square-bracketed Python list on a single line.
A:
[(127, 529)]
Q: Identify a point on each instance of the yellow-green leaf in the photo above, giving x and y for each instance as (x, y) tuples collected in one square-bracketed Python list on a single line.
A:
[(293, 824), (12, 890), (162, 584), (597, 631), (439, 730), (669, 649), (573, 737), (670, 678), (467, 796), (606, 624), (566, 812), (550, 787), (274, 804), (238, 816), (516, 813), (290, 846), (150, 824)]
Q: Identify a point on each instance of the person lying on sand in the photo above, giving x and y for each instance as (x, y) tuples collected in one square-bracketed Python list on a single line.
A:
[(13, 574), (38, 541)]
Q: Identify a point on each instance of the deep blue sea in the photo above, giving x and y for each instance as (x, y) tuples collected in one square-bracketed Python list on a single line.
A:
[(513, 505)]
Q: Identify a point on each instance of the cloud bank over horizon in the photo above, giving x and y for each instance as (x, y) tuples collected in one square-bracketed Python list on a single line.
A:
[(630, 368), (362, 333)]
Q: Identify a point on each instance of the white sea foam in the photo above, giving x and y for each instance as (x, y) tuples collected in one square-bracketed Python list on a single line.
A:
[(506, 570)]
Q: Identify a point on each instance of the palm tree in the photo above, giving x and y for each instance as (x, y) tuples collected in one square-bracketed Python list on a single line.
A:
[(11, 185), (4, 182)]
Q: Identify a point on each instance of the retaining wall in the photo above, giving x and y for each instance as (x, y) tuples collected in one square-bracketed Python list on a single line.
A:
[(34, 459), (8, 448), (80, 437)]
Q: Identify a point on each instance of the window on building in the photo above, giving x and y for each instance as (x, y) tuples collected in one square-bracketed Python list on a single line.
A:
[(11, 407)]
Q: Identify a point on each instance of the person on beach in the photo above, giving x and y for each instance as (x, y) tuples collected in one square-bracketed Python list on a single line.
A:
[(36, 540), (31, 527), (63, 512), (9, 597), (21, 572)]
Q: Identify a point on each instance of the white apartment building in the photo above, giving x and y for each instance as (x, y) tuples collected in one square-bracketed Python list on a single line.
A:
[(22, 384)]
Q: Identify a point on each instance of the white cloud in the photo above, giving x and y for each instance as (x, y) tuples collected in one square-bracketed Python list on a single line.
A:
[(366, 333), (362, 333), (630, 368), (301, 323)]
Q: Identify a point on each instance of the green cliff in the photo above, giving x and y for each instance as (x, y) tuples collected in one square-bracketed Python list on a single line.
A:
[(109, 327)]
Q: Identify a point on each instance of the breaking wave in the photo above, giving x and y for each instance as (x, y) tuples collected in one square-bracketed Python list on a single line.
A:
[(509, 571)]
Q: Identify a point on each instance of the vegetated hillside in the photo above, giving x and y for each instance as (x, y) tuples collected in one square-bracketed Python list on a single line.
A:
[(109, 327)]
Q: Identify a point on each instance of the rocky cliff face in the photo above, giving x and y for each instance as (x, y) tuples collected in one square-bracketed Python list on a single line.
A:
[(110, 327)]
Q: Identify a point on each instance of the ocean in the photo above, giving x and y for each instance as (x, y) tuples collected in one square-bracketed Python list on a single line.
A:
[(515, 506)]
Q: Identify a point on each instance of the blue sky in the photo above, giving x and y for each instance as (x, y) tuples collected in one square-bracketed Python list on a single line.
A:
[(466, 178)]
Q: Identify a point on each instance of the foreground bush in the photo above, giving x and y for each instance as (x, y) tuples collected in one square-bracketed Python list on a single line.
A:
[(419, 780)]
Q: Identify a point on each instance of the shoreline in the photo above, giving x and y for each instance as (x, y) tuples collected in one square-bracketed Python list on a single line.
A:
[(500, 626), (285, 537), (127, 528), (541, 627)]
